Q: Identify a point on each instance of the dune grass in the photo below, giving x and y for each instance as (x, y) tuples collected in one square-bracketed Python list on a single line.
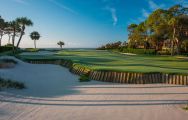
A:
[(11, 84), (109, 61)]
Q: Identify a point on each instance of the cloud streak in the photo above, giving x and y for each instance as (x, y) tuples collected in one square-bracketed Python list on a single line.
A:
[(113, 14), (145, 13), (63, 6), (154, 6), (21, 1)]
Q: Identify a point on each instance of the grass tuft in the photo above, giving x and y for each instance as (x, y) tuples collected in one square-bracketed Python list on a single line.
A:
[(84, 78), (11, 84), (186, 107)]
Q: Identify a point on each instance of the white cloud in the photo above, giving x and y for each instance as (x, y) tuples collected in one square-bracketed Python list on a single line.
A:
[(21, 1), (63, 6), (145, 13), (154, 6), (114, 15)]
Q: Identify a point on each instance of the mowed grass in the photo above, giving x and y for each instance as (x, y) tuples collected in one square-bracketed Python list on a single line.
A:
[(104, 60)]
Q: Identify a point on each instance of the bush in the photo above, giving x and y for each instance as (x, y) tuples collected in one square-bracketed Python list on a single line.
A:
[(138, 51), (5, 48), (11, 84), (84, 78), (163, 53), (31, 50)]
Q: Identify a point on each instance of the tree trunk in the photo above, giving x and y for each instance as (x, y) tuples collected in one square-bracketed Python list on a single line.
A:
[(0, 40), (22, 33), (9, 39), (172, 42), (13, 39), (178, 46), (172, 47), (35, 44)]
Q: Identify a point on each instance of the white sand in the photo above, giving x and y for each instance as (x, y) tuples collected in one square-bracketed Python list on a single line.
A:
[(53, 93)]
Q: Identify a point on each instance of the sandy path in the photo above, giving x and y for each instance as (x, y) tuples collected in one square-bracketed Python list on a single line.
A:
[(53, 93)]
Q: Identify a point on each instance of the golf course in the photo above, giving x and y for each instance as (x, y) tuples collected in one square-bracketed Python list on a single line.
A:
[(93, 59), (111, 61)]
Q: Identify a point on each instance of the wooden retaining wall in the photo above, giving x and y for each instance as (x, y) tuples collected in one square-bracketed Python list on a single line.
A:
[(138, 78), (120, 77)]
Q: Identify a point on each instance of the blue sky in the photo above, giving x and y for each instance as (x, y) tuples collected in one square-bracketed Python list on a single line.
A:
[(80, 23)]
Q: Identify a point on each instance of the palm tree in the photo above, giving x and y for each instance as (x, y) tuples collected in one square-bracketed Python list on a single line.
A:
[(35, 36), (23, 22), (61, 43), (15, 29)]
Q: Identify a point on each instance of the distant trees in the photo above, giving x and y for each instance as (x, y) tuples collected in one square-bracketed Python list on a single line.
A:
[(35, 36), (61, 44), (16, 28), (161, 25), (111, 45)]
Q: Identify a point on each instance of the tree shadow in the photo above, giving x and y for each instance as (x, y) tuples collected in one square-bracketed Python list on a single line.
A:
[(138, 103)]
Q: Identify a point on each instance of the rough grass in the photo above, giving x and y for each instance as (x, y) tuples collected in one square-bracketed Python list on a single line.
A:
[(109, 61), (11, 84)]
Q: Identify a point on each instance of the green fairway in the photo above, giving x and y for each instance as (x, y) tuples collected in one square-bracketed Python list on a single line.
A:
[(104, 60)]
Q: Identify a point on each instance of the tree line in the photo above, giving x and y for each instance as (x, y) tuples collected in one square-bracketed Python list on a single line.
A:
[(16, 28), (163, 27)]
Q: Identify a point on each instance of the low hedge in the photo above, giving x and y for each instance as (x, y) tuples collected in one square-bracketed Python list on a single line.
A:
[(5, 48), (138, 51)]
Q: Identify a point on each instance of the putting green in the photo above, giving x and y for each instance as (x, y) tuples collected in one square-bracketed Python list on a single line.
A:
[(104, 60)]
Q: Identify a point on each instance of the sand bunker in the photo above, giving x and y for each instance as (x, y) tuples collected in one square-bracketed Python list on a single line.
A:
[(53, 93)]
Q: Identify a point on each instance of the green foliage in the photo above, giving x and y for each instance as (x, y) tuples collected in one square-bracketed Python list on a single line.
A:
[(161, 25), (5, 48), (108, 46), (11, 84), (35, 35), (84, 78)]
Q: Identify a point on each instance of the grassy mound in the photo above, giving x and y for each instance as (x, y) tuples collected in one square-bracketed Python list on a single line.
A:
[(31, 50)]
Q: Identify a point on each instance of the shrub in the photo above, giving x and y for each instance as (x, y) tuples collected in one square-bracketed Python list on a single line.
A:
[(84, 78), (5, 48), (163, 53), (11, 84)]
